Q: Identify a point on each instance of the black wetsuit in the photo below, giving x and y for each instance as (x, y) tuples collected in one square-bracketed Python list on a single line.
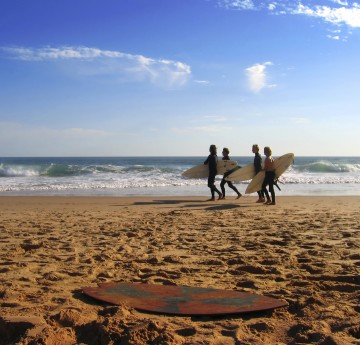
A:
[(230, 184), (269, 180), (212, 162), (257, 165)]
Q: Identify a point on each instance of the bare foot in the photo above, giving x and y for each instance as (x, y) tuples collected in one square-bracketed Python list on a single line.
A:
[(211, 199), (239, 196), (221, 197)]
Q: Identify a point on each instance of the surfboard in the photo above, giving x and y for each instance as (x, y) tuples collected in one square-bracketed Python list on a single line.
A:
[(182, 300), (281, 164), (245, 173), (202, 170)]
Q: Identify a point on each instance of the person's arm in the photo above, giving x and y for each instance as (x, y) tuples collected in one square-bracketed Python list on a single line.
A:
[(267, 163)]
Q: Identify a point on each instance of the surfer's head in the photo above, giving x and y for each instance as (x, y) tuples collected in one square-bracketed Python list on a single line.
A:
[(255, 148), (225, 151), (213, 149), (267, 151)]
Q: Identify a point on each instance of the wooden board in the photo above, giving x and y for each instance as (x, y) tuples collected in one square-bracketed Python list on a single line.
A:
[(245, 173), (281, 164), (202, 170), (184, 300)]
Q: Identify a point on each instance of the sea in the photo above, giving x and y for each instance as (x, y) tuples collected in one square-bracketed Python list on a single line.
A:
[(161, 176)]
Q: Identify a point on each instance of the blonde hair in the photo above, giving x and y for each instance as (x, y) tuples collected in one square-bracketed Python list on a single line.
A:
[(268, 150)]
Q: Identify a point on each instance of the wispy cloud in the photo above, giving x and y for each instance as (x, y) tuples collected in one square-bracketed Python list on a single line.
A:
[(11, 129), (215, 118), (300, 120), (202, 82), (257, 78), (205, 124), (96, 61), (23, 139), (339, 15), (238, 4), (335, 12), (204, 129)]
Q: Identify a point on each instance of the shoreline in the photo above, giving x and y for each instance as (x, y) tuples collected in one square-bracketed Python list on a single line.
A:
[(304, 250), (295, 190)]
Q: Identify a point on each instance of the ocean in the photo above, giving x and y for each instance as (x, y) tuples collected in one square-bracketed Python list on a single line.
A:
[(161, 176)]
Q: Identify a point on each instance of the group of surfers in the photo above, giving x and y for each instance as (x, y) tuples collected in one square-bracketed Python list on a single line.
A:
[(269, 179)]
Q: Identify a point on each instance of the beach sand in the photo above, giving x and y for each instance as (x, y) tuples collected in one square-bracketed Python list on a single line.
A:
[(304, 250)]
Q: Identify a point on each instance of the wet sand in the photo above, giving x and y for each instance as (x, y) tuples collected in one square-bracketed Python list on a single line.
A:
[(304, 250)]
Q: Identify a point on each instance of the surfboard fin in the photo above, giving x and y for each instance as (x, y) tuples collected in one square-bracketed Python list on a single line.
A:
[(276, 184)]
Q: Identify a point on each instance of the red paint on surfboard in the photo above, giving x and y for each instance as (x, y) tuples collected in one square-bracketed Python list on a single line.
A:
[(182, 300)]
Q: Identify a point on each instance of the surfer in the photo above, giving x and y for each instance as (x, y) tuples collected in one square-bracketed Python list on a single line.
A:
[(269, 177), (212, 163), (258, 167), (226, 157)]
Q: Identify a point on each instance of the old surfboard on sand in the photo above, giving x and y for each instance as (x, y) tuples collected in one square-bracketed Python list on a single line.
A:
[(184, 300), (202, 170), (280, 166), (245, 173)]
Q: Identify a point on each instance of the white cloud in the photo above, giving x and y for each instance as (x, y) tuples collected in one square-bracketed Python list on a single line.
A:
[(338, 16), (333, 37), (237, 4), (340, 2), (272, 7), (203, 82), (257, 78), (337, 12), (107, 62)]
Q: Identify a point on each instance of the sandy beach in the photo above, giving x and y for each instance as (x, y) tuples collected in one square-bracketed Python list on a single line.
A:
[(304, 250)]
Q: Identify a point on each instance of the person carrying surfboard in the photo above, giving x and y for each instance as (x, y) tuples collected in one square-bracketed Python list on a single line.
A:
[(226, 157), (258, 167), (269, 177), (211, 161)]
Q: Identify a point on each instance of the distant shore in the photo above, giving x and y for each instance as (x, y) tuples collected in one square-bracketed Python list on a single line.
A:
[(304, 250)]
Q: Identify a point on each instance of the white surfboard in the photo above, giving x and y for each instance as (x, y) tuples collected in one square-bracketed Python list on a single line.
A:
[(280, 166), (245, 173), (202, 170)]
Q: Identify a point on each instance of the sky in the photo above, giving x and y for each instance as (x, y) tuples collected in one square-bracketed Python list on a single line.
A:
[(172, 77)]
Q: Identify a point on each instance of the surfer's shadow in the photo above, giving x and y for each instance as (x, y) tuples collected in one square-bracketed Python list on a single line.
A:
[(219, 207), (214, 207), (163, 202)]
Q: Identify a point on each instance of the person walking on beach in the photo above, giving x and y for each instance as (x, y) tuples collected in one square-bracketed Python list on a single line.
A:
[(269, 176), (211, 161), (226, 157), (258, 167)]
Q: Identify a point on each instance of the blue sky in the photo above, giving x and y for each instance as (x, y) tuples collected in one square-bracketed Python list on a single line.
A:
[(171, 77)]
